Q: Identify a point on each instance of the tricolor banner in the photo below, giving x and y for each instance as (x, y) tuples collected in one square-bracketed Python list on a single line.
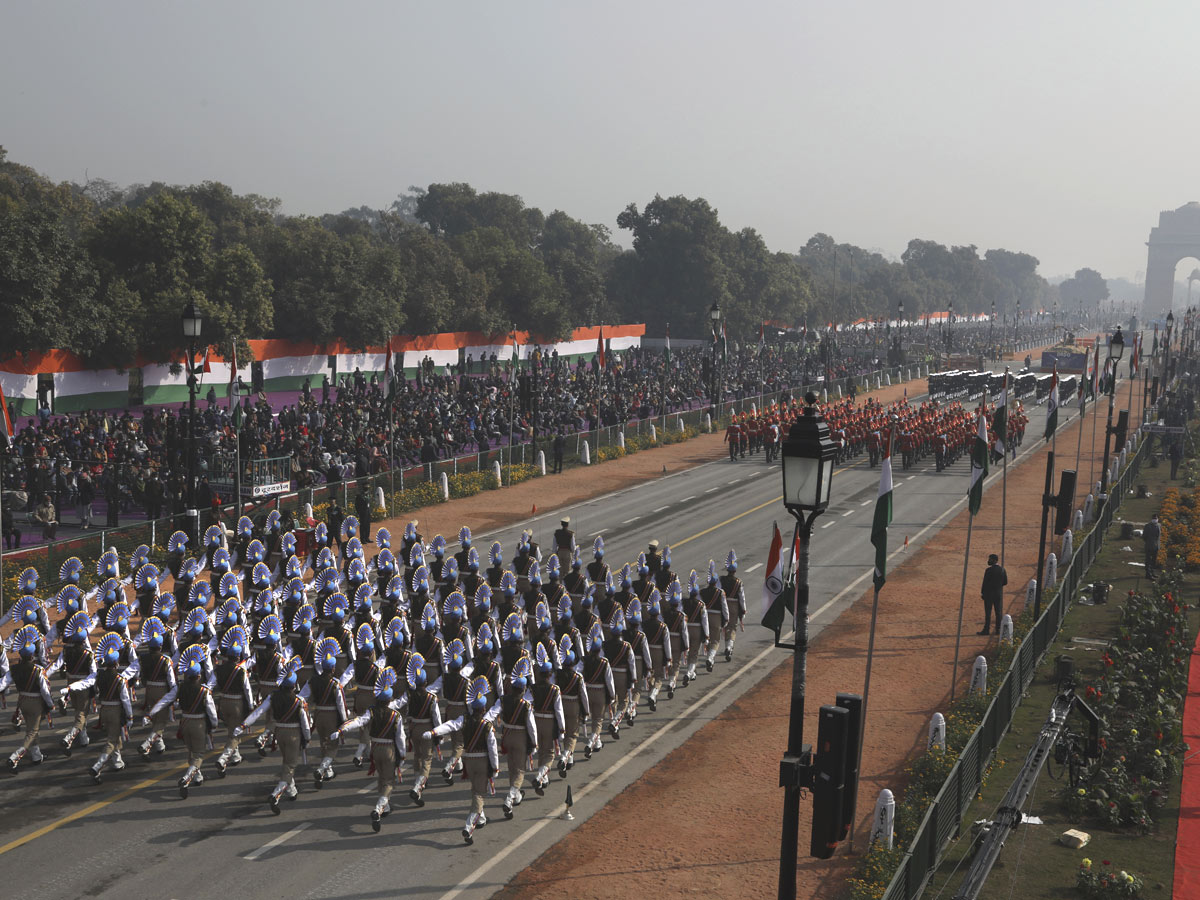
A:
[(883, 514), (979, 466), (1052, 405)]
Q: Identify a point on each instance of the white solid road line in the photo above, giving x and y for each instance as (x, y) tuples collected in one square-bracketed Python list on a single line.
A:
[(661, 508), (686, 499), (598, 533), (753, 567), (602, 779), (848, 512), (710, 490), (277, 841), (830, 522), (634, 519)]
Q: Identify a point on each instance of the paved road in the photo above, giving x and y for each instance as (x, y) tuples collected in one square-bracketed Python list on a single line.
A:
[(133, 837)]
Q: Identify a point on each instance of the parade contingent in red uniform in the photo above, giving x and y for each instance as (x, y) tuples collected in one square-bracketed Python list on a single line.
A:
[(380, 654), (943, 431)]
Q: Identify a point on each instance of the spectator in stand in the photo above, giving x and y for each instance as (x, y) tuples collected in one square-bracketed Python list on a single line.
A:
[(44, 515)]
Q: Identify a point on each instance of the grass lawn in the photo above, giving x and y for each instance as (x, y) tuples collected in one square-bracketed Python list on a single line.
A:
[(1033, 864)]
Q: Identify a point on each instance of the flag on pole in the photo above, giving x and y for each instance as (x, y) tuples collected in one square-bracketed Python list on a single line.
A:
[(6, 438), (237, 417), (883, 514), (205, 368), (762, 337), (600, 348), (1052, 405), (1096, 370), (1084, 383), (773, 586), (724, 343), (1000, 420), (979, 466), (1135, 361), (780, 601), (388, 374), (667, 349)]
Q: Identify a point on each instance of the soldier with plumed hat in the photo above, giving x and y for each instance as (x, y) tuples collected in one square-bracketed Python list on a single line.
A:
[(481, 756), (33, 693), (288, 716), (383, 724), (116, 707)]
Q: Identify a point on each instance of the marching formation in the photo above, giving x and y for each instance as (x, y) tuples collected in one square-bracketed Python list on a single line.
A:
[(417, 653)]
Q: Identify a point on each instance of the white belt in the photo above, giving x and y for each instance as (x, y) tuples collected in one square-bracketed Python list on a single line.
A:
[(381, 740), (538, 715), (27, 694), (287, 724), (232, 697), (102, 702), (195, 716), (327, 708)]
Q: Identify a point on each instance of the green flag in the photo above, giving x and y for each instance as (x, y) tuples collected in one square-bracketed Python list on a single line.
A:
[(979, 466), (883, 515)]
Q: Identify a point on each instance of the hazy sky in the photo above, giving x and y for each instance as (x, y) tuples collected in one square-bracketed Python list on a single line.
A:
[(1057, 128)]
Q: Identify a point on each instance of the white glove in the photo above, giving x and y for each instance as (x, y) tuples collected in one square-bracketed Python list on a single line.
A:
[(336, 736), (239, 731), (427, 735), (145, 720)]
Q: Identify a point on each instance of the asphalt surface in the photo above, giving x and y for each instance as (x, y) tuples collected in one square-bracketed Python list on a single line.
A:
[(134, 837)]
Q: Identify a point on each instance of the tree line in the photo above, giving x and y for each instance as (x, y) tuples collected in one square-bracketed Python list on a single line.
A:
[(105, 271)]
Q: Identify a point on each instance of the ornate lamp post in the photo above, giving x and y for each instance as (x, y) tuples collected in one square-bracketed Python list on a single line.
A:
[(193, 322), (808, 458), (714, 314), (1116, 347)]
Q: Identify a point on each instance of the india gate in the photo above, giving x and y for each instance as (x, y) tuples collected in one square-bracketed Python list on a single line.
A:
[(1176, 237)]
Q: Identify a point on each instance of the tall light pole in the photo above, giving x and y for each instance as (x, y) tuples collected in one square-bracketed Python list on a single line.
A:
[(1017, 325), (193, 322), (1167, 351), (1115, 348), (949, 322), (714, 315), (808, 458), (991, 322), (900, 316)]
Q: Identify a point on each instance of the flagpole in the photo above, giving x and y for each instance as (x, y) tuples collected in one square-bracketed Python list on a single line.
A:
[(962, 600), (1004, 478), (1082, 412), (1092, 464), (867, 677)]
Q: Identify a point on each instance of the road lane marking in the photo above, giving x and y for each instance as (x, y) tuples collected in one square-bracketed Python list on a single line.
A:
[(661, 508), (735, 481), (752, 474), (275, 842), (634, 519), (865, 502), (710, 490), (598, 533), (910, 477), (753, 567), (686, 499), (827, 524), (848, 512)]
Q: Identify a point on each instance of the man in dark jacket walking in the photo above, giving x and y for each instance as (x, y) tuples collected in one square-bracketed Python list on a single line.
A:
[(994, 580), (362, 509)]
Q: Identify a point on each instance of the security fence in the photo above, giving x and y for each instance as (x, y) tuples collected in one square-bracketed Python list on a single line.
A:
[(944, 817)]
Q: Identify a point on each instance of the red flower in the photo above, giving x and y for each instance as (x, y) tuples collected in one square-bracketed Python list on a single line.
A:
[(1105, 862)]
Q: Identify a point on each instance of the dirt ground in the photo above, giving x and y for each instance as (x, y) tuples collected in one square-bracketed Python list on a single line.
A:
[(716, 797)]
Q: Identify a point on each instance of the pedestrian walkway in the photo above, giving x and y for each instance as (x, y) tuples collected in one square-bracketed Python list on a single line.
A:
[(1187, 838)]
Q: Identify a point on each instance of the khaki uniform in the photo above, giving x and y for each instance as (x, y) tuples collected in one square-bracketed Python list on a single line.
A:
[(423, 715), (520, 737), (234, 701), (33, 701), (735, 597)]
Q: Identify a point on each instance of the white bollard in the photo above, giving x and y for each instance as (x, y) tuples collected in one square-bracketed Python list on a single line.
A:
[(883, 823), (979, 676), (679, 422), (1089, 507), (308, 512), (653, 434), (585, 454), (1031, 593), (707, 423), (1006, 629), (541, 461), (380, 499), (824, 396), (937, 732), (445, 483), (1115, 473), (1077, 521), (839, 392), (497, 473), (877, 384), (621, 439), (887, 379), (1051, 574), (1068, 547)]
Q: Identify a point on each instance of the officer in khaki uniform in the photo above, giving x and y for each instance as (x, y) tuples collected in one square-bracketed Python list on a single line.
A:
[(423, 716), (546, 699), (718, 614), (235, 699), (481, 755), (326, 692), (116, 708), (385, 730), (564, 539), (288, 714), (735, 598), (78, 663), (34, 699), (198, 713)]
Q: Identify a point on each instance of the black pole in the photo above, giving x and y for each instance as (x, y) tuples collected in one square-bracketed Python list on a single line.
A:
[(1108, 430), (795, 772), (1046, 504), (191, 452)]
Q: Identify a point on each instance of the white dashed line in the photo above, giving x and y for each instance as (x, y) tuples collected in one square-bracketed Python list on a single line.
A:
[(753, 567), (866, 502), (686, 499), (661, 508), (827, 524), (634, 519), (710, 490), (598, 533), (277, 841), (848, 512), (735, 481), (752, 474), (910, 477)]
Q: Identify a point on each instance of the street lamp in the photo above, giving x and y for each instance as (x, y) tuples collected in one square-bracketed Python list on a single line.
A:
[(991, 322), (1017, 325), (193, 322), (1116, 347), (1167, 351), (900, 316), (808, 457), (714, 314), (949, 322)]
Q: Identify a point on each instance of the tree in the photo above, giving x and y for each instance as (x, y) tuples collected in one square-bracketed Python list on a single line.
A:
[(1086, 287)]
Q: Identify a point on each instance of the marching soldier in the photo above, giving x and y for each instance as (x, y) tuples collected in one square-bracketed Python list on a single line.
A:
[(623, 665), (697, 625), (597, 569), (424, 716), (303, 647), (288, 714), (547, 716), (366, 671), (235, 698), (454, 690), (644, 583), (641, 651), (481, 755), (574, 699), (653, 561), (463, 555), (34, 701), (575, 582), (718, 614), (469, 577), (157, 675), (597, 675), (564, 539), (658, 638), (664, 576), (677, 623), (496, 571), (564, 626), (429, 644), (116, 708), (512, 642), (735, 597), (78, 663), (386, 729), (199, 715), (326, 691), (520, 733)]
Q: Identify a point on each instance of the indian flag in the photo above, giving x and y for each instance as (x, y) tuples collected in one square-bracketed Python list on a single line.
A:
[(1052, 405), (979, 466), (773, 602), (388, 374), (667, 348), (1000, 420), (883, 514), (6, 437)]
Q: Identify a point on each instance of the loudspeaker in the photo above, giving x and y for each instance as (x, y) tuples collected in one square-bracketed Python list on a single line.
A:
[(829, 780), (1065, 502)]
